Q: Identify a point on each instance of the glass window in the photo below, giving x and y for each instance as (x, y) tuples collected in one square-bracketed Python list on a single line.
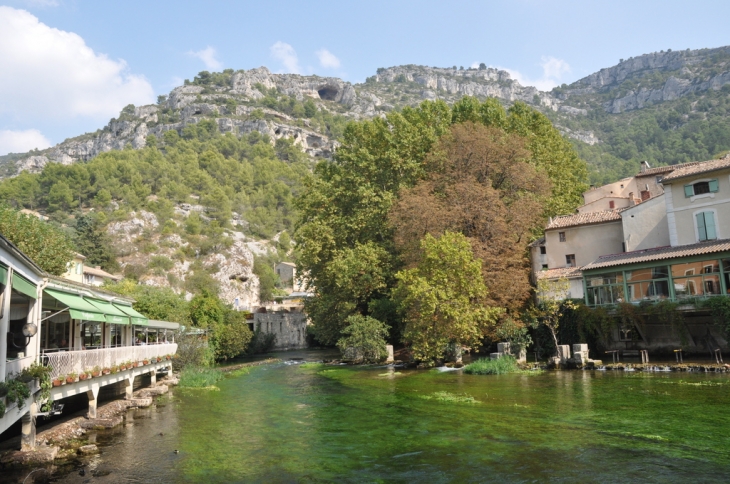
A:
[(695, 268), (543, 250), (647, 274), (91, 335), (701, 187), (115, 335), (607, 278), (649, 290), (570, 260), (561, 236)]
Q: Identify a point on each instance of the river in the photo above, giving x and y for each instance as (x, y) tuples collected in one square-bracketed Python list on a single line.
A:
[(289, 422)]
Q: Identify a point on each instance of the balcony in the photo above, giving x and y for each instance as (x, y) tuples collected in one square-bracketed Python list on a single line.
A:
[(64, 362), (15, 366)]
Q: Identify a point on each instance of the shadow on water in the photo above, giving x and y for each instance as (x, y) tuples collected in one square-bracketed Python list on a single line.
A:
[(290, 422)]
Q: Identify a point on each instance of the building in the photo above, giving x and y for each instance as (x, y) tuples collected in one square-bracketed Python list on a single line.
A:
[(74, 329), (78, 271), (287, 272)]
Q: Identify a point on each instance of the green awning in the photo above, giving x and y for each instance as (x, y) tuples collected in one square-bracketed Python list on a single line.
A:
[(24, 286), (163, 325), (112, 313), (78, 307), (137, 318), (3, 275)]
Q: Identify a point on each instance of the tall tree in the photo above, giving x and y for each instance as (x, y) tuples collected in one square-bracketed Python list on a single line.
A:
[(444, 298)]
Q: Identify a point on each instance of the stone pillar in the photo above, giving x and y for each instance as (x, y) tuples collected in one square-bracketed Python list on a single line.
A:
[(389, 351), (92, 394), (27, 439), (564, 353), (153, 377), (128, 387)]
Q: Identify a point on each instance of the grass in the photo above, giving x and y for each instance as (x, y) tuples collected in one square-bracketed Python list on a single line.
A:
[(311, 365), (447, 397), (500, 366), (199, 377)]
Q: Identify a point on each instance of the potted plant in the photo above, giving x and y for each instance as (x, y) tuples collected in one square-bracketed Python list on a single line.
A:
[(83, 376), (115, 369), (3, 389), (71, 377), (122, 367), (146, 361), (96, 371), (106, 371), (58, 381)]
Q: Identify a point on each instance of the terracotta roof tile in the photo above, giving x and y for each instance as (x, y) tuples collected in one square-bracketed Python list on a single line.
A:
[(689, 169), (665, 169), (659, 253), (586, 218), (567, 272), (101, 273)]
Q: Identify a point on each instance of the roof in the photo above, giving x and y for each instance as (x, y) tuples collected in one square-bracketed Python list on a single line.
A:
[(664, 169), (659, 253), (538, 242), (642, 204), (67, 284), (689, 169), (586, 218), (567, 272), (98, 272)]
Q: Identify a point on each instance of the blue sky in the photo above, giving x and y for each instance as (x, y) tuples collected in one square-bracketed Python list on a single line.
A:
[(67, 66)]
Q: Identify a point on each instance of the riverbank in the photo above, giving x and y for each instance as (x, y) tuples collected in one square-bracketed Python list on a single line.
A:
[(65, 442)]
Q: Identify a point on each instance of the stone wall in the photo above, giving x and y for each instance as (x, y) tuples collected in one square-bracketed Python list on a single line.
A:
[(290, 328)]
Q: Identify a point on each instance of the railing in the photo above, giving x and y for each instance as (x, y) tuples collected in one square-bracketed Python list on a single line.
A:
[(14, 367), (64, 362)]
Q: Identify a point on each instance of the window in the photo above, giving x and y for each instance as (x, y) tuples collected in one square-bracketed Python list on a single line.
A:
[(561, 236), (701, 187), (659, 179), (605, 288), (79, 268), (543, 250), (611, 204), (705, 226), (570, 260), (544, 267), (649, 283), (696, 279)]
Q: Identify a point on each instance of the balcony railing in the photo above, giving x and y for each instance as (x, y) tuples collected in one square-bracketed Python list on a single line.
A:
[(64, 362)]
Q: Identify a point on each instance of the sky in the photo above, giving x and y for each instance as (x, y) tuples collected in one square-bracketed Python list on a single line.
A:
[(68, 66)]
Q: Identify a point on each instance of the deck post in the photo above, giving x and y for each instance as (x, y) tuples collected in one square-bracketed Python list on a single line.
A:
[(27, 439), (153, 377), (129, 387), (93, 394)]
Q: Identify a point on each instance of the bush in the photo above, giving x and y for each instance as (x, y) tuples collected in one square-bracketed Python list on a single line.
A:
[(193, 350), (261, 342), (231, 339), (367, 336), (199, 377), (500, 366)]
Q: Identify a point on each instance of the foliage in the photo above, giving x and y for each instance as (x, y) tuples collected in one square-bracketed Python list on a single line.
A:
[(444, 298), (94, 243), (206, 310), (18, 392), (231, 339), (367, 336), (193, 350), (43, 374), (500, 366), (199, 377), (344, 207), (552, 302), (44, 244), (261, 342), (154, 302), (263, 267)]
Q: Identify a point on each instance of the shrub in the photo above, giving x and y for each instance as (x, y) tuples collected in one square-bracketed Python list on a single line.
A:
[(367, 336), (193, 350), (18, 392), (261, 342), (500, 366)]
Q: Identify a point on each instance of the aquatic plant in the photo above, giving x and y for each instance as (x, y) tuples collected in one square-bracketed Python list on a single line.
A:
[(199, 377), (500, 366), (311, 364), (450, 397)]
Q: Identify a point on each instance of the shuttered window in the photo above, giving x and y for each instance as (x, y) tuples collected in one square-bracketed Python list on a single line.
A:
[(706, 226), (699, 188)]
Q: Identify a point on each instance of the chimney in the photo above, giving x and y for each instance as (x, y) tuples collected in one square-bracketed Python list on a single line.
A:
[(644, 166)]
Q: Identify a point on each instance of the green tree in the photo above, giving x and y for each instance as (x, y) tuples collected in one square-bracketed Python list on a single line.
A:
[(47, 246), (443, 298), (552, 296), (366, 336), (94, 243), (263, 267), (232, 337), (206, 310)]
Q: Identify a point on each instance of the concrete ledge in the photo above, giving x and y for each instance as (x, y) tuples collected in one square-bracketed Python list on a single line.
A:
[(139, 402), (103, 423), (41, 455)]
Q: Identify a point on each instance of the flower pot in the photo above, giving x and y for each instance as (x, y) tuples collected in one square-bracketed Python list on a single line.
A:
[(106, 372), (83, 376), (122, 368), (146, 362), (70, 380), (57, 383), (95, 374)]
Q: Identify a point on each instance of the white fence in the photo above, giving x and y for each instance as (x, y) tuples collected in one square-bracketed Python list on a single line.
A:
[(65, 362)]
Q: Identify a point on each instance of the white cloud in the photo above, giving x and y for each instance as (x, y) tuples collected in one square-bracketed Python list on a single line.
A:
[(327, 59), (22, 141), (207, 55), (553, 70), (286, 54), (50, 74)]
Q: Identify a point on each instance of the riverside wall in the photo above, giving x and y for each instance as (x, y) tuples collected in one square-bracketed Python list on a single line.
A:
[(290, 328)]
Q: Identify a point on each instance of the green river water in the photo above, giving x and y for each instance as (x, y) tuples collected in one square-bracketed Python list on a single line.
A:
[(288, 423)]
